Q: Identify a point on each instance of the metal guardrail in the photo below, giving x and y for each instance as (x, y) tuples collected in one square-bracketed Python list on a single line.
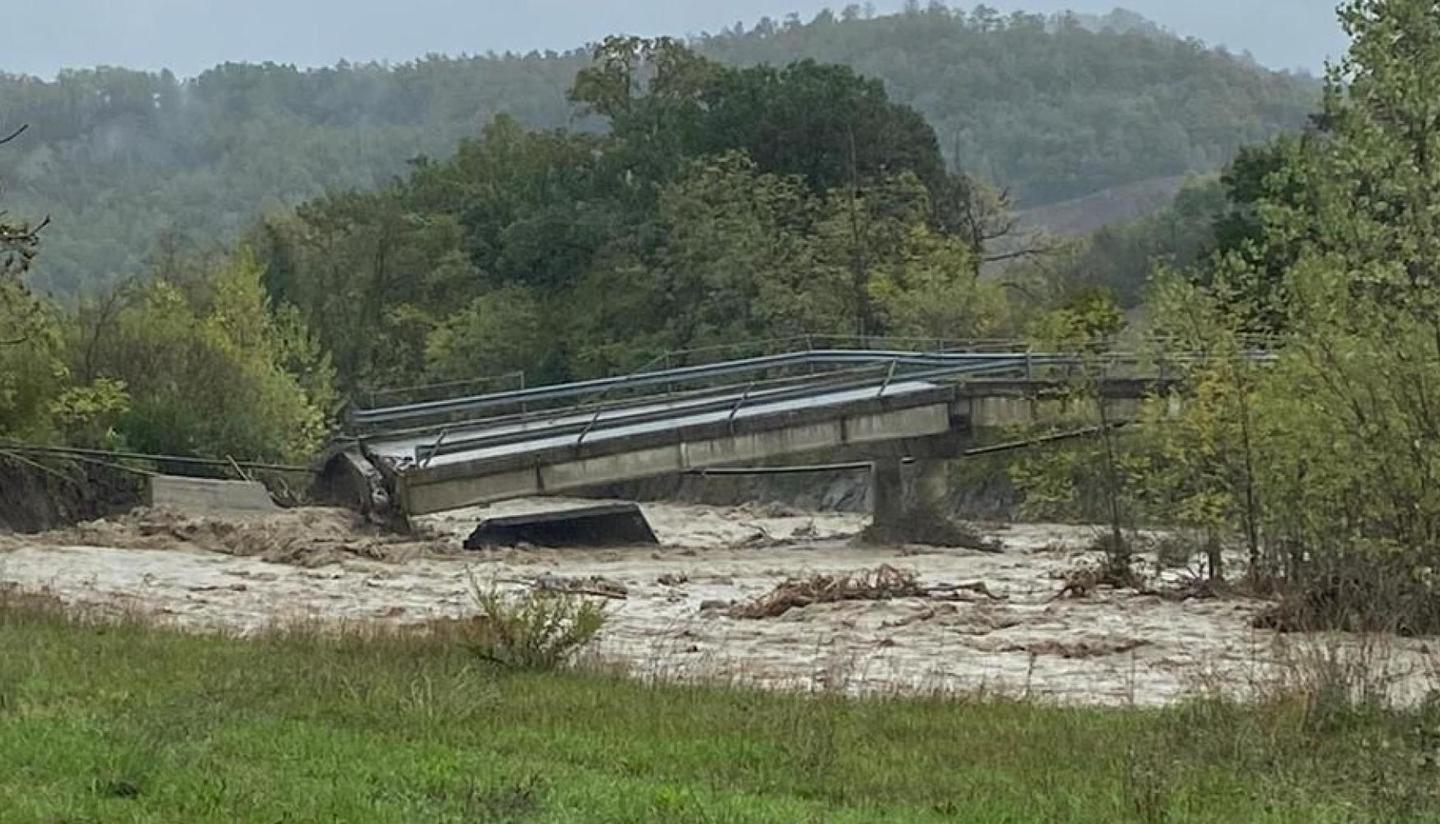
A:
[(673, 397), (686, 374), (728, 352), (713, 387), (654, 408)]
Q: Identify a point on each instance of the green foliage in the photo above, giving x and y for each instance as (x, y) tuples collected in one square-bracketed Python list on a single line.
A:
[(931, 291), (32, 362), (1352, 397), (1123, 258), (1086, 320), (88, 415), (1051, 108), (362, 271), (737, 261), (127, 161), (1052, 482), (566, 254), (208, 368), (498, 333), (18, 241), (539, 630), (1327, 459), (823, 123)]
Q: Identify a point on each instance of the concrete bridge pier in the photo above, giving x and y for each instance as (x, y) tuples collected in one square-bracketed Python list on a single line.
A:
[(931, 488), (887, 487)]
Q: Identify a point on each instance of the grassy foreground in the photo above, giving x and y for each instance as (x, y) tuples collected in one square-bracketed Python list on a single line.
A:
[(124, 723)]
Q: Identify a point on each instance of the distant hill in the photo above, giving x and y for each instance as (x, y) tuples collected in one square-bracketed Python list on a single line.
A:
[(1053, 108), (1119, 204), (129, 163)]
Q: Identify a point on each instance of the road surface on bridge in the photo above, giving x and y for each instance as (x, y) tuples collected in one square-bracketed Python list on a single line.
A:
[(461, 451)]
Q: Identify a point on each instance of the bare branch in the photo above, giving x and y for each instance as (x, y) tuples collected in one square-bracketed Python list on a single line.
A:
[(1033, 251), (18, 245), (14, 134)]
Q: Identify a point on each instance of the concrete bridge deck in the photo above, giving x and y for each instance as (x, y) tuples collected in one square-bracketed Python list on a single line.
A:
[(457, 452)]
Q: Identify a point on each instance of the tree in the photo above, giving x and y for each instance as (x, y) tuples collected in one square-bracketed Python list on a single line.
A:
[(212, 368), (32, 370), (1365, 307), (18, 245), (1253, 262), (18, 241), (930, 291), (1206, 442), (1065, 480), (365, 273), (1337, 255), (983, 216), (496, 334), (734, 248), (824, 123)]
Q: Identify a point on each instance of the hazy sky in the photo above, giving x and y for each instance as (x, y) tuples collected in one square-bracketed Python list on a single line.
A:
[(190, 35)]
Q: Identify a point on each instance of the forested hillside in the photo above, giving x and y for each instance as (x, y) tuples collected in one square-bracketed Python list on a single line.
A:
[(136, 166)]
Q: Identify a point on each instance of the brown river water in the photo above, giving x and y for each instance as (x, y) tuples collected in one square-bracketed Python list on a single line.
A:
[(1112, 647)]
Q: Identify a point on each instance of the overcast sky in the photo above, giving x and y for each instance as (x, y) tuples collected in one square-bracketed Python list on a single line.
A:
[(188, 36)]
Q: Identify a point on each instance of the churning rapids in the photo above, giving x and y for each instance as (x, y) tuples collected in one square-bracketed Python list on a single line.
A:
[(1110, 647)]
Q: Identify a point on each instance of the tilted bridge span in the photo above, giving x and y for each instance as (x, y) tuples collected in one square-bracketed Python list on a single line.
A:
[(880, 404)]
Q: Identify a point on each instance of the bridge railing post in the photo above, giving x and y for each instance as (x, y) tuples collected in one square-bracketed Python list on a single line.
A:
[(889, 376), (434, 448), (735, 410)]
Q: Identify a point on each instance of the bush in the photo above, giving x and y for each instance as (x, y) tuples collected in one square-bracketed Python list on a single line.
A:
[(537, 630), (1359, 593), (211, 368)]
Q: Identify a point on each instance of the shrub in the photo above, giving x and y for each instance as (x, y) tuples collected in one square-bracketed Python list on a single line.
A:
[(1358, 592), (534, 630)]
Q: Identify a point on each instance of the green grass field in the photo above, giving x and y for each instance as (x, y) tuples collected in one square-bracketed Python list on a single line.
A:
[(124, 723)]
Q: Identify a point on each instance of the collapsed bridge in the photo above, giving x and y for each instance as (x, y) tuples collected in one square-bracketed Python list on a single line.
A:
[(883, 405)]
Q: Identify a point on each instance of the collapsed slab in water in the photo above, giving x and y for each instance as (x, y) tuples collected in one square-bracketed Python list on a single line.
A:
[(606, 525)]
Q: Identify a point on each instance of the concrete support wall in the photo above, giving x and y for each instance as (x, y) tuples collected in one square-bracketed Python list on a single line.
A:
[(205, 495), (445, 487), (887, 493), (938, 426)]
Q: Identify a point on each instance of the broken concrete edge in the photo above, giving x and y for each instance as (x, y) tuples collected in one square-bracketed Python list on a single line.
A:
[(355, 478)]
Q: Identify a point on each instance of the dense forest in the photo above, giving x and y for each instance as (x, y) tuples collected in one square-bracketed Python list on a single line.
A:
[(136, 167)]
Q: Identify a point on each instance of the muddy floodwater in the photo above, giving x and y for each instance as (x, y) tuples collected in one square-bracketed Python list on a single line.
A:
[(1109, 647)]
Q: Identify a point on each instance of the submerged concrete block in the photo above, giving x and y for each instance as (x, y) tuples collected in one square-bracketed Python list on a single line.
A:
[(606, 525), (208, 495)]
